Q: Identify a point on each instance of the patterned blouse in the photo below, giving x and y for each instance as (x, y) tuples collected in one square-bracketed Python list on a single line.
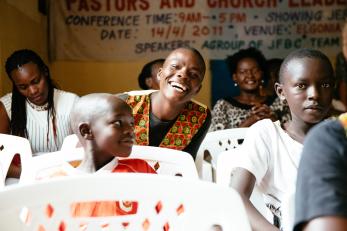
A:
[(229, 113)]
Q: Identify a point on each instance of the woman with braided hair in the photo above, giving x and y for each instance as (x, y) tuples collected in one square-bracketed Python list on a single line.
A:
[(35, 109)]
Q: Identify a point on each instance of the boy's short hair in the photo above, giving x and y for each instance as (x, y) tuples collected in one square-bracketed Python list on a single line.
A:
[(304, 53), (88, 107)]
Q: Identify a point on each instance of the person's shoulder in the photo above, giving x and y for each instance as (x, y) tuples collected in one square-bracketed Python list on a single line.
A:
[(267, 123), (64, 101), (65, 94), (265, 128), (222, 104), (201, 105), (327, 127), (202, 108), (221, 101), (138, 165), (6, 97), (326, 137)]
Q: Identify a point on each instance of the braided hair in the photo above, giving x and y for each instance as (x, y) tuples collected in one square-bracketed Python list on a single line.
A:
[(18, 105)]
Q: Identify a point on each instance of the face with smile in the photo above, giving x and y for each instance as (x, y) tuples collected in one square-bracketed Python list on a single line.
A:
[(113, 129), (181, 75), (31, 83), (308, 88), (248, 74)]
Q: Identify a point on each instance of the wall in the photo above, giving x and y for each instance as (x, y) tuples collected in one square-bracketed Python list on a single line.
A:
[(87, 77), (25, 27), (21, 26)]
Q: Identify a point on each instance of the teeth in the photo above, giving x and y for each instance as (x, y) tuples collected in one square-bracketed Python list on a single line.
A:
[(178, 86)]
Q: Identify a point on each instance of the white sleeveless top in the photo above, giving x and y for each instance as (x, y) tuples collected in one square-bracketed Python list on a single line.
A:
[(37, 121)]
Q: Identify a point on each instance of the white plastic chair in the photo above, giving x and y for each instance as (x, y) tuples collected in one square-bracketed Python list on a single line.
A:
[(49, 161), (166, 161), (213, 144), (224, 169), (9, 146), (70, 142), (163, 201)]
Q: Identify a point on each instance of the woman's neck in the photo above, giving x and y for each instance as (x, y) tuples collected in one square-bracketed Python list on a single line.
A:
[(163, 109), (250, 98)]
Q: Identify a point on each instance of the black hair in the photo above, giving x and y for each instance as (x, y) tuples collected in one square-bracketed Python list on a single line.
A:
[(18, 105), (146, 72), (304, 53), (274, 66), (251, 52)]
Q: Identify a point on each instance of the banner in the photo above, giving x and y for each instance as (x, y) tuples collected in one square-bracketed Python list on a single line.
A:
[(121, 30)]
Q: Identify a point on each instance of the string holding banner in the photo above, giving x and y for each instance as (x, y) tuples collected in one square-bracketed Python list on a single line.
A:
[(121, 30)]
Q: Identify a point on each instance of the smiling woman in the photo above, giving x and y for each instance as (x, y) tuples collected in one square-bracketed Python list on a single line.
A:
[(248, 70), (35, 109), (168, 117)]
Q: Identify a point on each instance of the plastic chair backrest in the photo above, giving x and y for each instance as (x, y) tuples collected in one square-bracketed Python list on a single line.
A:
[(51, 160), (224, 169), (167, 161), (164, 203), (70, 142), (215, 143), (9, 146)]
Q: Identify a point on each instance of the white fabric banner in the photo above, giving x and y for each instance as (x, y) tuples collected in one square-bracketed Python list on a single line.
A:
[(121, 30)]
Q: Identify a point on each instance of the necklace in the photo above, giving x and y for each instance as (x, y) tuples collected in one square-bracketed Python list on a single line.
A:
[(38, 108)]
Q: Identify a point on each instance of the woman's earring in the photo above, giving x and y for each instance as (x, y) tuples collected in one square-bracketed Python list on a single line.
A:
[(262, 82), (235, 84)]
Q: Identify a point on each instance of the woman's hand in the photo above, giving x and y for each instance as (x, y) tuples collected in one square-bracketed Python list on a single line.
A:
[(258, 112), (262, 111)]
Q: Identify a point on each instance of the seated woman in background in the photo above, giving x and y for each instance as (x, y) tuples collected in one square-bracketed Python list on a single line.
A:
[(248, 68), (148, 78), (35, 109), (168, 117)]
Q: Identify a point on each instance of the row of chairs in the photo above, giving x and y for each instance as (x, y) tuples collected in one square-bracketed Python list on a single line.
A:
[(30, 207), (162, 203), (213, 162), (206, 160), (173, 162)]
